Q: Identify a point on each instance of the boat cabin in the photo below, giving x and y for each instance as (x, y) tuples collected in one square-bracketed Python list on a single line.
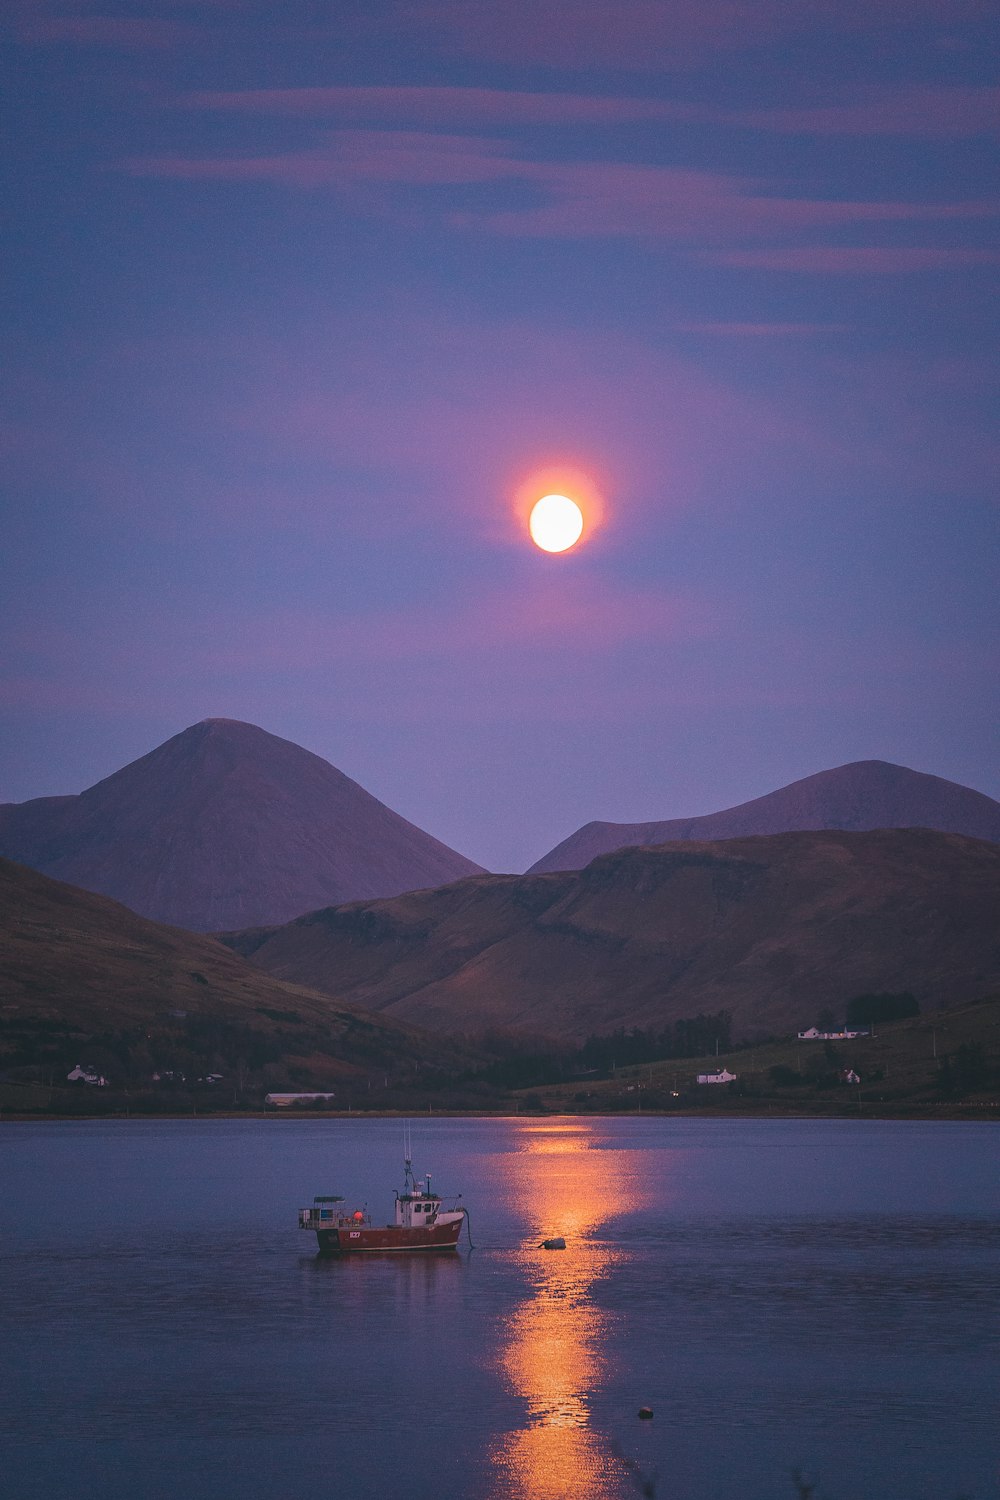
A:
[(416, 1205)]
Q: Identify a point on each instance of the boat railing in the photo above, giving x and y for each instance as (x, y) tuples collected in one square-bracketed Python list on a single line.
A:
[(328, 1218)]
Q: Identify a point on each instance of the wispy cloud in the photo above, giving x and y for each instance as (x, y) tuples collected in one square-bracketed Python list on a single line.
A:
[(918, 110), (580, 615), (128, 33), (933, 111), (762, 330), (861, 260), (576, 198), (649, 34), (424, 105), (349, 159)]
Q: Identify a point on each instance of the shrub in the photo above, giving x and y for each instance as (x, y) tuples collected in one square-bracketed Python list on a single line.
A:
[(883, 1005)]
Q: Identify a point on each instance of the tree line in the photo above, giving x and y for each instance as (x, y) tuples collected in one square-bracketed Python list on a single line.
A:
[(525, 1062)]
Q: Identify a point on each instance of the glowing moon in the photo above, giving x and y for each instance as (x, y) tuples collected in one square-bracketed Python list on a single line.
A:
[(556, 523)]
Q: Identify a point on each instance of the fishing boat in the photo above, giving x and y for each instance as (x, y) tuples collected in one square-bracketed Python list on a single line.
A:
[(421, 1221)]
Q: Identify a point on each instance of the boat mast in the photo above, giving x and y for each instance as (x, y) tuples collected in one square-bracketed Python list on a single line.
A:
[(409, 1184)]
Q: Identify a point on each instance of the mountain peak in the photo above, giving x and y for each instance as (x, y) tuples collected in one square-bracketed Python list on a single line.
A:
[(859, 796), (225, 825)]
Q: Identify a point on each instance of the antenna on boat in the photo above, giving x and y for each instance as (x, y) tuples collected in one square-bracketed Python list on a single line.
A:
[(407, 1155)]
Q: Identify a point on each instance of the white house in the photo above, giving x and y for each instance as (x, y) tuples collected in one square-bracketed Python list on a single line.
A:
[(87, 1075), (723, 1076), (815, 1035), (283, 1101)]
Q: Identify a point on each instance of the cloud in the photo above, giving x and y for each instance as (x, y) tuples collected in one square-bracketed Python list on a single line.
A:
[(862, 260), (933, 111), (936, 111), (350, 159), (763, 330), (129, 33), (441, 106), (511, 634), (575, 198), (581, 615), (651, 34)]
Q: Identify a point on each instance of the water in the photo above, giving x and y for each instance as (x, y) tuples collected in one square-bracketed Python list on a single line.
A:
[(784, 1294)]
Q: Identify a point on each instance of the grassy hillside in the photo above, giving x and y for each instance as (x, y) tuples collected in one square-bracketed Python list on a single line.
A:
[(85, 980), (771, 929), (945, 1063)]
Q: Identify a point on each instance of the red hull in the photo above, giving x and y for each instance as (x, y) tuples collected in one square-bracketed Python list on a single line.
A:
[(391, 1237)]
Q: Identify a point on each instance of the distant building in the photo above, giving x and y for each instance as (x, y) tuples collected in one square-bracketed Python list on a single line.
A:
[(723, 1076), (814, 1035), (849, 1076), (283, 1101), (87, 1075)]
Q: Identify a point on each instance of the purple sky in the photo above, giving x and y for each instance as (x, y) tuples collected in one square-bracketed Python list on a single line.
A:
[(295, 307)]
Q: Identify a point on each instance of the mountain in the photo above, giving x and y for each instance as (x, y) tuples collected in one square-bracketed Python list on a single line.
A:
[(79, 971), (865, 794), (227, 826), (773, 929)]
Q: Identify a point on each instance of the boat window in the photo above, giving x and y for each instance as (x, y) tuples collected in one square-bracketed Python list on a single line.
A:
[(418, 1208)]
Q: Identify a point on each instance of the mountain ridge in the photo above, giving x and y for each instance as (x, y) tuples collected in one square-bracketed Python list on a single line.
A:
[(773, 928), (856, 797)]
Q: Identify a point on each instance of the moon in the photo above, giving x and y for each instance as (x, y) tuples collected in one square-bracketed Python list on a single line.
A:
[(555, 523)]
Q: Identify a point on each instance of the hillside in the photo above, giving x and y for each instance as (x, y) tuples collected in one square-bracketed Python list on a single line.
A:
[(864, 795), (945, 1064), (225, 825), (772, 929), (80, 973)]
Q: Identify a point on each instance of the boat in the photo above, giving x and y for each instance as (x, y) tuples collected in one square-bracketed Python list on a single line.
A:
[(421, 1221)]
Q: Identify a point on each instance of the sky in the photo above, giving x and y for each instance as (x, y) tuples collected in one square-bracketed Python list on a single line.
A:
[(304, 302)]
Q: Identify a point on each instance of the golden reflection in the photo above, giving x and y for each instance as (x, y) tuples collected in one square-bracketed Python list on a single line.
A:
[(553, 1358)]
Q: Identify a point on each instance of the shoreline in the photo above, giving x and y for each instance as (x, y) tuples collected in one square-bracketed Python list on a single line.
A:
[(982, 1113)]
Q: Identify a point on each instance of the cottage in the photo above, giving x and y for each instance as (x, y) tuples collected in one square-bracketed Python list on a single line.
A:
[(722, 1076), (87, 1075), (815, 1035), (284, 1101)]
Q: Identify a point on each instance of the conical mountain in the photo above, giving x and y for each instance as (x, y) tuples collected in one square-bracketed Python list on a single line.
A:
[(227, 826), (864, 795)]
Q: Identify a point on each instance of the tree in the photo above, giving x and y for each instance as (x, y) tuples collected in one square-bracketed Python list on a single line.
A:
[(881, 1005), (972, 1070)]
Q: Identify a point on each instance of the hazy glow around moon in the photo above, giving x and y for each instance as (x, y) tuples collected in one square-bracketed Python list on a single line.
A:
[(556, 523)]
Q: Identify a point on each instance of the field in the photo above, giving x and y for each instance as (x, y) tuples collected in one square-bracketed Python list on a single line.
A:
[(946, 1063)]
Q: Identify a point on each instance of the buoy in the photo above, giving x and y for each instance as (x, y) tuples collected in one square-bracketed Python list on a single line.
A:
[(645, 1413), (557, 1243)]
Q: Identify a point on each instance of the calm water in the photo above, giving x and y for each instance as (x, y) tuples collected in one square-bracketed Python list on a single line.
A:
[(822, 1295)]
